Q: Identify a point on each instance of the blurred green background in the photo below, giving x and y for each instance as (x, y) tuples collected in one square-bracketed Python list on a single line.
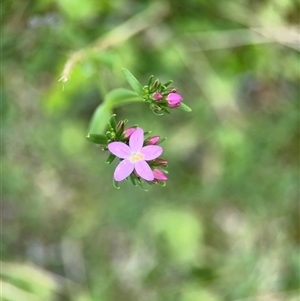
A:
[(226, 226)]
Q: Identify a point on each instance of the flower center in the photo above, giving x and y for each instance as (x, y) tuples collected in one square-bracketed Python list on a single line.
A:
[(135, 157)]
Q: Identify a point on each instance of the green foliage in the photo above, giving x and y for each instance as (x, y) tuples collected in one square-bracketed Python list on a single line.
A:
[(133, 82)]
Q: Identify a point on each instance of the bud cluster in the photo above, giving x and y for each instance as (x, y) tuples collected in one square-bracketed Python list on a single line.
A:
[(160, 96)]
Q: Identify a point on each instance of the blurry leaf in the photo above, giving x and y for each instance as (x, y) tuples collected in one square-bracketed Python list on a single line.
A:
[(133, 82), (204, 274), (182, 231), (35, 280), (191, 293), (77, 9), (10, 292), (100, 119), (184, 107), (72, 139), (118, 97), (96, 138)]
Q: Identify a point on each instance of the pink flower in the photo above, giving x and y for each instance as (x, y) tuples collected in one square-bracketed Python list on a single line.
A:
[(157, 96), (129, 132), (135, 156), (152, 140), (174, 100), (159, 175)]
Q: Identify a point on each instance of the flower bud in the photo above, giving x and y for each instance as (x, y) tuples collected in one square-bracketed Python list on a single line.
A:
[(159, 175), (120, 126), (174, 100), (129, 132), (157, 96), (152, 140), (160, 162)]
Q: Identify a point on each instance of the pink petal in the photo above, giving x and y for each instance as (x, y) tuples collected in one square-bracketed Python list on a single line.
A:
[(144, 171), (119, 149), (123, 170), (136, 140), (151, 152)]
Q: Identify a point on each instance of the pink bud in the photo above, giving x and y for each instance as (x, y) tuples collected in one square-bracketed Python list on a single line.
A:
[(160, 162), (152, 140), (129, 132), (174, 100), (159, 175), (157, 96)]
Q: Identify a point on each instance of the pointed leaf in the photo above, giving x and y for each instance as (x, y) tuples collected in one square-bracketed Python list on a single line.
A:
[(98, 139), (184, 107), (133, 82)]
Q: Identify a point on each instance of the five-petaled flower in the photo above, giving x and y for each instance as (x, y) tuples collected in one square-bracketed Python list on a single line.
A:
[(134, 156)]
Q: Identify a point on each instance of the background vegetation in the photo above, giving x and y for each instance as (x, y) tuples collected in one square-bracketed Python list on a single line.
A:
[(226, 226)]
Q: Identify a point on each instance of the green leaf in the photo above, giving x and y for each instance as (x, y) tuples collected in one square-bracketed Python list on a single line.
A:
[(100, 119), (184, 107), (118, 97), (96, 138), (133, 82)]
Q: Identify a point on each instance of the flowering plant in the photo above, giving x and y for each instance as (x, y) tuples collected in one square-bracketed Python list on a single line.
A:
[(140, 159)]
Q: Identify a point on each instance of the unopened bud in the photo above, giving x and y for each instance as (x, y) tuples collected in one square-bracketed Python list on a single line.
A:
[(174, 100), (152, 140), (160, 162), (157, 96), (159, 175), (129, 132)]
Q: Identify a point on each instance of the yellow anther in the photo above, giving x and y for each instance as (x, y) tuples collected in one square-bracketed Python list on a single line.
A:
[(135, 157)]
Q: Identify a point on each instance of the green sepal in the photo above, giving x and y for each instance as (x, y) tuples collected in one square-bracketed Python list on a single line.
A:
[(150, 80), (133, 82), (133, 179), (112, 121), (116, 184), (160, 141), (162, 183), (140, 183), (168, 83), (184, 107), (95, 138), (158, 114), (165, 110), (110, 158)]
